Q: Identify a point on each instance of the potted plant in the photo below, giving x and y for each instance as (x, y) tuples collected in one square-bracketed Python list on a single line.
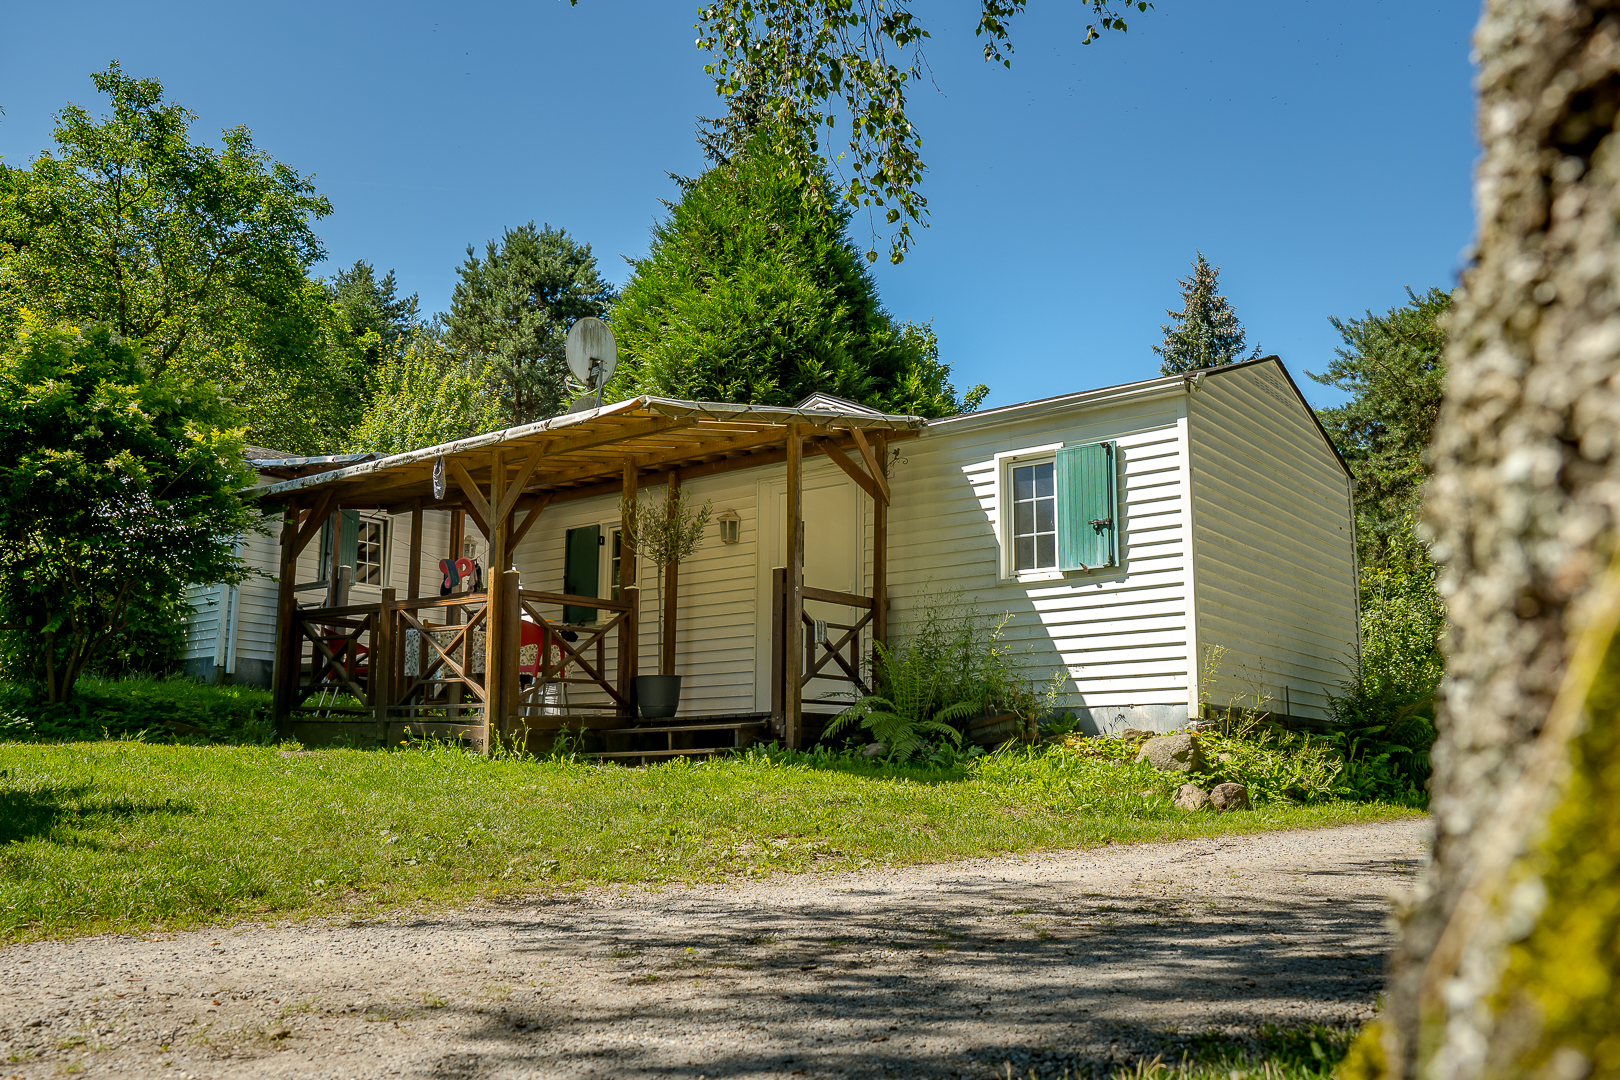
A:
[(666, 532)]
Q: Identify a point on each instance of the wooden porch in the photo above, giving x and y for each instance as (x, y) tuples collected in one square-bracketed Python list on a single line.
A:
[(504, 665)]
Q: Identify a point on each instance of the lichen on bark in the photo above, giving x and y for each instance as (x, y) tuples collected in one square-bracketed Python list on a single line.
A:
[(1522, 508)]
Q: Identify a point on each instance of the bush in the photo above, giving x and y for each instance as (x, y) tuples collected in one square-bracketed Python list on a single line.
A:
[(950, 666), (1383, 722), (139, 707)]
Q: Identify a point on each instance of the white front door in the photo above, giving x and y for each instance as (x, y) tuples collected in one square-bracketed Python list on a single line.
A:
[(834, 525)]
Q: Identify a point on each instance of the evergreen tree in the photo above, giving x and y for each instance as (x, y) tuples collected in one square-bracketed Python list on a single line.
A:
[(516, 305), (1393, 367), (373, 307), (1206, 331), (752, 292)]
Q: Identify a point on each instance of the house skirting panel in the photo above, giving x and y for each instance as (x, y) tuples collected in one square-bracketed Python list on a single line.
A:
[(1112, 719), (248, 672)]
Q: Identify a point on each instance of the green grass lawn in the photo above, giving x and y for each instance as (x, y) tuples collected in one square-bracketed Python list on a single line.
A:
[(128, 836)]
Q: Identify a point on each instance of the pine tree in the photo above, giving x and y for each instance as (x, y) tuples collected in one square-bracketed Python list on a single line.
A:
[(516, 305), (372, 305), (1206, 331), (752, 293)]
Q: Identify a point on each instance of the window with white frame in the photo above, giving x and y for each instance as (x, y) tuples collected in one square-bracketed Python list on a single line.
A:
[(1034, 517), (368, 553), (1058, 509)]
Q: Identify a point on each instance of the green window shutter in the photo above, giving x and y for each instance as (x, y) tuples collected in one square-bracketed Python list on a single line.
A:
[(325, 550), (581, 564), (349, 542), (1088, 525)]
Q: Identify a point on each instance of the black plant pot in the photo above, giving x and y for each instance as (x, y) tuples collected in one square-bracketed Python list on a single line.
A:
[(658, 695)]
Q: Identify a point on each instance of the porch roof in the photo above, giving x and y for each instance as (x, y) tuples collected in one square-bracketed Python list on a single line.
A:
[(585, 453)]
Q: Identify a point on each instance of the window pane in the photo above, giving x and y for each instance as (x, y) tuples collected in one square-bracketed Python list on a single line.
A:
[(1023, 518), (1043, 480), (1024, 553), (1024, 482), (1046, 515), (1046, 550)]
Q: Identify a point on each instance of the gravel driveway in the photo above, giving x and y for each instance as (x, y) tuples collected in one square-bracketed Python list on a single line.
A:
[(1052, 961)]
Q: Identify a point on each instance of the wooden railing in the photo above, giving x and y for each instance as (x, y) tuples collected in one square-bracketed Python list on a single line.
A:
[(582, 662), (825, 642), (427, 660)]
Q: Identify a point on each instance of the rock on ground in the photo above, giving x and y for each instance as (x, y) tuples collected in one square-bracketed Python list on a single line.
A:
[(1190, 797), (1173, 753), (1224, 797), (1066, 960)]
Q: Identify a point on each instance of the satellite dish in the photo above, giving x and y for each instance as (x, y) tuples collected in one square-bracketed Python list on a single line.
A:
[(592, 353)]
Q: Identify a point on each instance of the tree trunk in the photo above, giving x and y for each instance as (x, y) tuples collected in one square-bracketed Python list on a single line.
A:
[(1522, 507)]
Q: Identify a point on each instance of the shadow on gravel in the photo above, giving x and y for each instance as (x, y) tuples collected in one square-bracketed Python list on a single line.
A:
[(1079, 981)]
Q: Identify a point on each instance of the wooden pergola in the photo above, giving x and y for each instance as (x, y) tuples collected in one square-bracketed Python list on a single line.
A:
[(503, 482)]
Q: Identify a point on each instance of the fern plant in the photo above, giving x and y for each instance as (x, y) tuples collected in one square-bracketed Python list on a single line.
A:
[(904, 720)]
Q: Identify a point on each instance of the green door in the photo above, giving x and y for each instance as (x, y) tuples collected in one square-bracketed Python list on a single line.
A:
[(581, 565)]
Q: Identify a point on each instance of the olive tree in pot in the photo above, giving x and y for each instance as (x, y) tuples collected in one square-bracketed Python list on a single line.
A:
[(667, 533)]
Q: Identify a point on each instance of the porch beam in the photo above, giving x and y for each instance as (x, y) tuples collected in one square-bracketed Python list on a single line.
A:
[(880, 557), (872, 465), (529, 519), (474, 498), (496, 692), (630, 631), (526, 470), (285, 672), (843, 461), (312, 524), (477, 519), (413, 576), (793, 603)]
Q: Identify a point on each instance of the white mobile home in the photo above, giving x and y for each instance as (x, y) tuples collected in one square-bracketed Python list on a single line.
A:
[(1164, 543)]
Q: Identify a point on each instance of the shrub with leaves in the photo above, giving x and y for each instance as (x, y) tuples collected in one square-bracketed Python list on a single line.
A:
[(1383, 720), (113, 484), (428, 393), (908, 712)]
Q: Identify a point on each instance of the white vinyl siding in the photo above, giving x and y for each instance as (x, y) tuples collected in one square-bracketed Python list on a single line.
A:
[(1275, 565), (1118, 634), (716, 610)]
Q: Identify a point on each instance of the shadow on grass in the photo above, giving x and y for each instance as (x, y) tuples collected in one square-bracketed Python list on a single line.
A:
[(63, 814)]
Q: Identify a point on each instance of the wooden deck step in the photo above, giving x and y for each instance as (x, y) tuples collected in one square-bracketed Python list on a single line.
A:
[(739, 725), (663, 753)]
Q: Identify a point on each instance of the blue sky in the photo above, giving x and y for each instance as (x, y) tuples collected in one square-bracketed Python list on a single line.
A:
[(1319, 152)]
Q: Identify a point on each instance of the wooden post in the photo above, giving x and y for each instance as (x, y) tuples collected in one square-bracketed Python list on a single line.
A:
[(672, 585), (413, 579), (778, 674), (630, 639), (284, 677), (880, 558), (793, 607), (512, 727), (382, 665), (334, 584), (495, 615)]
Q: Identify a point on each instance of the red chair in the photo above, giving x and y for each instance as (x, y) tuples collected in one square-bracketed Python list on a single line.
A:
[(339, 645)]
